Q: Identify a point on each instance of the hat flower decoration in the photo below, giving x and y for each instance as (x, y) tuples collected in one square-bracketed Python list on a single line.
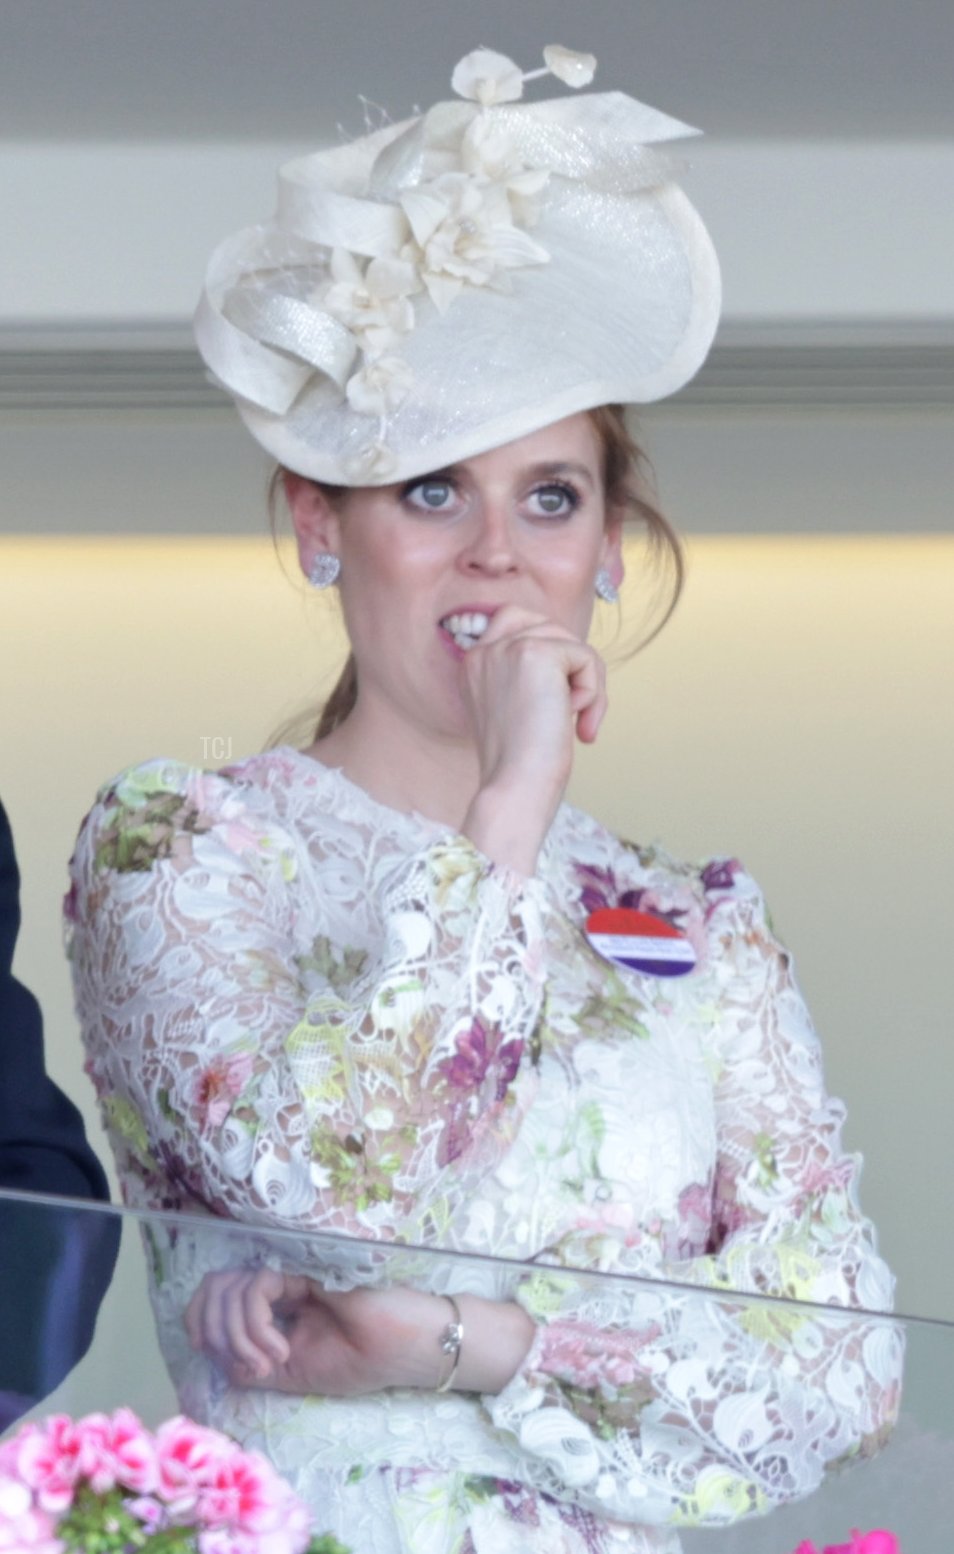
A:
[(446, 284)]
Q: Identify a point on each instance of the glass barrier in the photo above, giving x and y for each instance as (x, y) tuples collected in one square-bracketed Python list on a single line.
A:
[(641, 1396)]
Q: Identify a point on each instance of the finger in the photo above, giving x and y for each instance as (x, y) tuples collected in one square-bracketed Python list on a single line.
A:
[(588, 700), (509, 621), (214, 1323), (262, 1296), (523, 626), (240, 1346), (193, 1316), (586, 677), (537, 649), (210, 1324), (589, 720), (251, 1305)]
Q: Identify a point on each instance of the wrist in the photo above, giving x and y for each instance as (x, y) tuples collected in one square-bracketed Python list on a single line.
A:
[(496, 1338), (509, 827)]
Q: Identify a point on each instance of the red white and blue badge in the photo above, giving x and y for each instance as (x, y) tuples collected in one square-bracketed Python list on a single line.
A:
[(641, 941)]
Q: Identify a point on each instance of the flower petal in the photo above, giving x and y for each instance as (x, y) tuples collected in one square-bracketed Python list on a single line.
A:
[(372, 464), (345, 268), (442, 289), (380, 386), (388, 278), (514, 248), (424, 211), (569, 66), (487, 78)]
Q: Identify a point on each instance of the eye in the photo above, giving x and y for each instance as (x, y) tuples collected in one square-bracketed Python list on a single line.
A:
[(429, 495), (555, 500)]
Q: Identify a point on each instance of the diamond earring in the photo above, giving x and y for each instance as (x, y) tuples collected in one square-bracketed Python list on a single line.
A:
[(605, 588), (324, 570)]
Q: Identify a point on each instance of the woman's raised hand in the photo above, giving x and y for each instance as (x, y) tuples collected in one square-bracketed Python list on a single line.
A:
[(531, 686)]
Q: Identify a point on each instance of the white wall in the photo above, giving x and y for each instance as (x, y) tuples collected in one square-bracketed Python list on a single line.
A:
[(804, 229)]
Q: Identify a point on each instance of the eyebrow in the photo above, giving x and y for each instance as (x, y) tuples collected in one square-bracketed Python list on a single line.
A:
[(562, 467), (544, 470)]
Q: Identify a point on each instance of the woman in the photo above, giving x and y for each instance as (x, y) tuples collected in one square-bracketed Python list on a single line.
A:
[(392, 986)]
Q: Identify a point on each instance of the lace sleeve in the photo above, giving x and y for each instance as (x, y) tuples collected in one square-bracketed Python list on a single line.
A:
[(365, 1094), (673, 1407)]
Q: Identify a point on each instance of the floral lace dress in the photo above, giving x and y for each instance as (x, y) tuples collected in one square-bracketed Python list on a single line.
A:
[(305, 1010)]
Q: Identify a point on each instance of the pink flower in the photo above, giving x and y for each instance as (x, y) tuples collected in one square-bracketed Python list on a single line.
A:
[(185, 1473), (287, 1540), (586, 1355), (22, 1527), (48, 1461), (877, 1542), (132, 1453), (187, 1458), (218, 1085), (219, 1540), (148, 1511), (694, 1218), (94, 1459), (242, 1494)]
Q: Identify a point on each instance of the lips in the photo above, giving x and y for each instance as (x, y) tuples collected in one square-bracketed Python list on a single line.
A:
[(465, 627)]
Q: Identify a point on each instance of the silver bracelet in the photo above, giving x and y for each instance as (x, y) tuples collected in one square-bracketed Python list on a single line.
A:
[(451, 1342)]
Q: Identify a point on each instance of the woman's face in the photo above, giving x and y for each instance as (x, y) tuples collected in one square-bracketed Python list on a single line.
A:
[(422, 563)]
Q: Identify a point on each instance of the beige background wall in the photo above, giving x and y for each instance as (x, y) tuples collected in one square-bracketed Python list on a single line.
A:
[(797, 712)]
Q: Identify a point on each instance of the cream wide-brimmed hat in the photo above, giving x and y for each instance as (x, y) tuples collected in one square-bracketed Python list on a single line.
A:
[(445, 285)]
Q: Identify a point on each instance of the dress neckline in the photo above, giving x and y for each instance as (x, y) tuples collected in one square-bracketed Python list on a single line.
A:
[(354, 792)]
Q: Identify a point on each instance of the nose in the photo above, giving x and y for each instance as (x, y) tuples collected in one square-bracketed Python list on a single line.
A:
[(490, 549)]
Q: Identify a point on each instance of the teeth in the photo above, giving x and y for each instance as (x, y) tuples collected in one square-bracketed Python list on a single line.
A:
[(471, 623)]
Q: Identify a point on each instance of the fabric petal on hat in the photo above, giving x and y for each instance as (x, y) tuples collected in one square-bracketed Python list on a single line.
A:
[(387, 278), (486, 77), (569, 66), (442, 288), (512, 248), (345, 267), (372, 464), (425, 212), (380, 386)]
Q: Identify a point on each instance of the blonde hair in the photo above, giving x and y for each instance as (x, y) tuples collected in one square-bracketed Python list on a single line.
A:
[(627, 490)]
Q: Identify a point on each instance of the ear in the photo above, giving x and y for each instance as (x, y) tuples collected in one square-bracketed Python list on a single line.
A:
[(317, 525), (613, 550)]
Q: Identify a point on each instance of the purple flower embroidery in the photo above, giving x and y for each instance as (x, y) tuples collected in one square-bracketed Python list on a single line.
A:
[(519, 1502), (483, 1061), (597, 887), (692, 1231), (456, 1136), (720, 874), (479, 1052)]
